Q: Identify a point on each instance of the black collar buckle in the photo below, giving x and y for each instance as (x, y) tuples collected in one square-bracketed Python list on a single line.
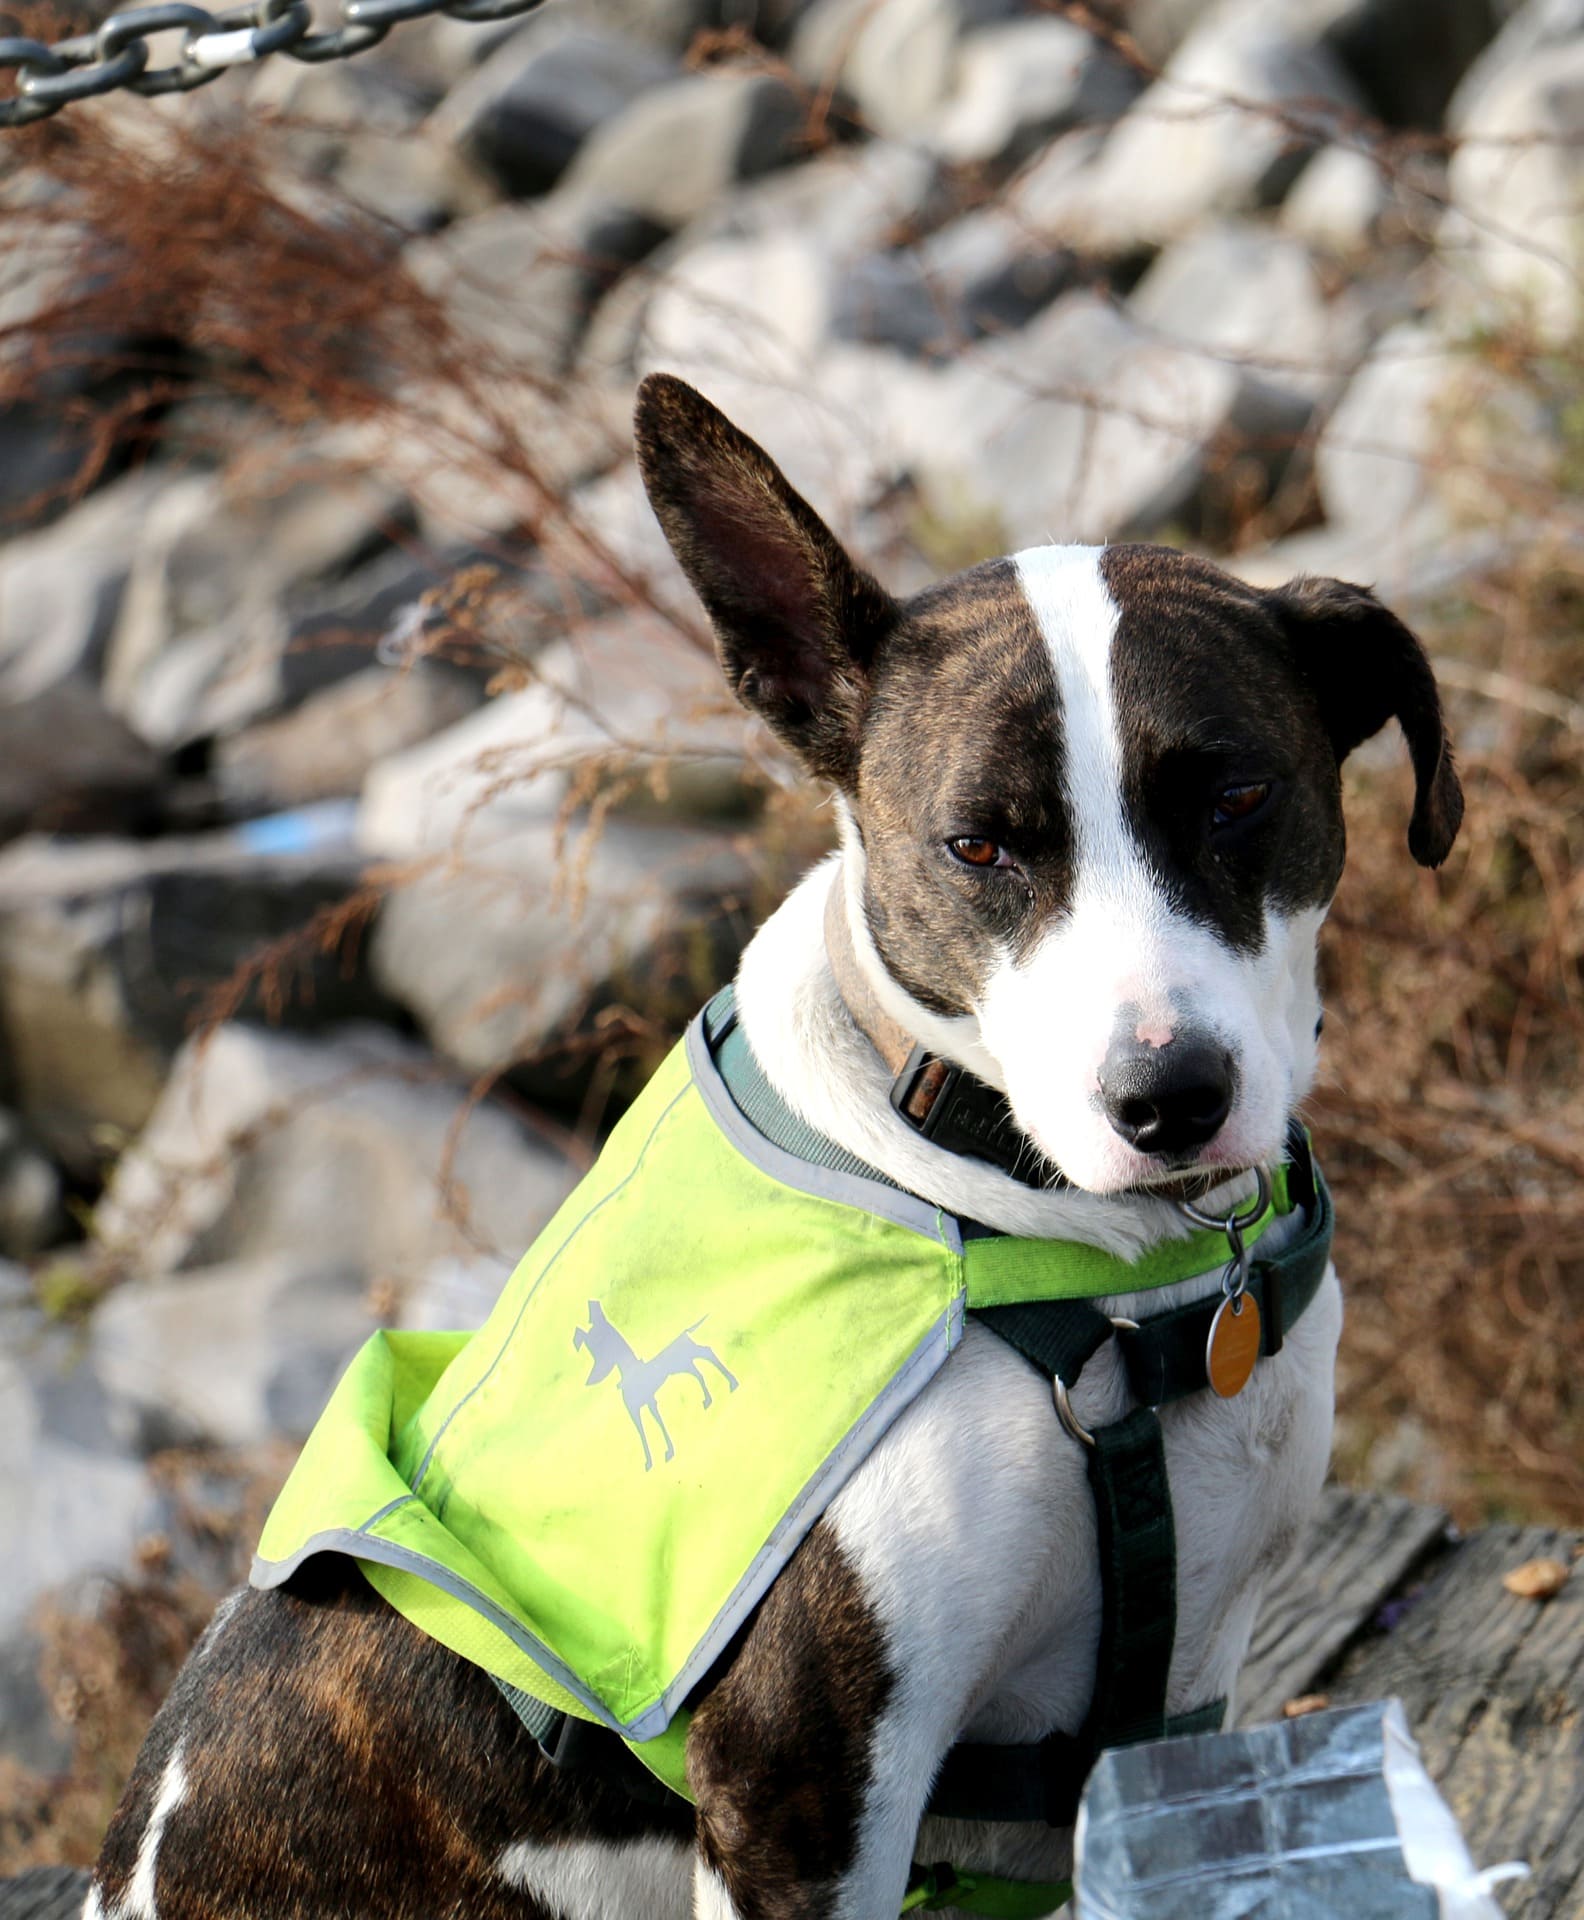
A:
[(955, 1110)]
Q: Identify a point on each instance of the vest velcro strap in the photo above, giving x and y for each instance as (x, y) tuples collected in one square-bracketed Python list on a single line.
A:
[(572, 1745)]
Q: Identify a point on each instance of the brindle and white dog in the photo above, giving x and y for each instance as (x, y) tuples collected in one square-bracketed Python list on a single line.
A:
[(1090, 822)]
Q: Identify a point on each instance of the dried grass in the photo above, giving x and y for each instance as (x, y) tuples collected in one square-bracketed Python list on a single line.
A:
[(1451, 1114), (106, 1667)]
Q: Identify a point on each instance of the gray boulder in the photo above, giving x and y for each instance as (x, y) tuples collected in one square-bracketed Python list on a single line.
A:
[(981, 274), (525, 112), (72, 1504), (504, 955), (221, 679), (849, 200), (325, 747), (1340, 202), (43, 453), (896, 62), (678, 147), (1413, 563), (59, 372), (69, 765), (61, 588), (624, 694), (893, 300), (519, 283), (1159, 27), (456, 1294), (1022, 82), (231, 1356), (1226, 128), (447, 50), (992, 274), (1516, 183), (1406, 58), (1427, 427), (356, 125), (841, 207), (758, 324), (1253, 297), (205, 622), (347, 1153), (1085, 427), (31, 1214), (1531, 27), (110, 949)]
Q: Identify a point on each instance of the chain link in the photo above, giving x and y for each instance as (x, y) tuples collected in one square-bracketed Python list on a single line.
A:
[(116, 54)]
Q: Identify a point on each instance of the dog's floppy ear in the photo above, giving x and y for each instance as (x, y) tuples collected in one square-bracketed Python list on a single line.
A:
[(796, 622), (1364, 667)]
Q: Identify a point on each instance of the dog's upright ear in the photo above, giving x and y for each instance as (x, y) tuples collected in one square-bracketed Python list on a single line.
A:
[(796, 622), (1364, 667)]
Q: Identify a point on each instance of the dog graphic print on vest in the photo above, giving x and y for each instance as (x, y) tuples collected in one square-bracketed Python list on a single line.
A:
[(641, 1380)]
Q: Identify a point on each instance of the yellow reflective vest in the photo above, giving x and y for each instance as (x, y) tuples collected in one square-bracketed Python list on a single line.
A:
[(589, 1495)]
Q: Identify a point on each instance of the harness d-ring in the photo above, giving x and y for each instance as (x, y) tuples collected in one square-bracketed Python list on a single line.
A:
[(1233, 1225), (1064, 1409)]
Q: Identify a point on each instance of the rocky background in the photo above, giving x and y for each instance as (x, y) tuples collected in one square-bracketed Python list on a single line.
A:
[(370, 813)]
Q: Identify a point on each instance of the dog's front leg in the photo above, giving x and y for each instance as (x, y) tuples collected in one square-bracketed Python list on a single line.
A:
[(779, 1755), (811, 1762), (950, 1587)]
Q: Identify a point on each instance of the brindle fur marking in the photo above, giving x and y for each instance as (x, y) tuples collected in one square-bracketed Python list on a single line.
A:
[(969, 701), (797, 623), (778, 1755), (341, 1763), (1192, 661)]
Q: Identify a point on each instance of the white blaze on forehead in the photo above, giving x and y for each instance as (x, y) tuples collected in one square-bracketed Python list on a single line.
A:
[(1119, 949), (1077, 616), (1126, 916)]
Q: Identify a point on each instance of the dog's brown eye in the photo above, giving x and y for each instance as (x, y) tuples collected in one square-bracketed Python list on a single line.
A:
[(1240, 803), (974, 852)]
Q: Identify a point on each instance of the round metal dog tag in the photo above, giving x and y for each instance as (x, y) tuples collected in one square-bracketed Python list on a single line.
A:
[(1234, 1345)]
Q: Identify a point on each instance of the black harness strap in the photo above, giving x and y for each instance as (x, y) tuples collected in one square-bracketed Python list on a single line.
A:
[(1137, 1545), (1059, 1337), (1165, 1359), (1138, 1581)]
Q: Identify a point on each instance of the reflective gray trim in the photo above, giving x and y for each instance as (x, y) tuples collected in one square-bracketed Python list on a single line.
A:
[(824, 1183), (359, 1545), (916, 1372), (390, 1506)]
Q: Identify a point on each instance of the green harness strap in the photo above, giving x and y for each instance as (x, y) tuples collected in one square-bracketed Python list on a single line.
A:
[(934, 1889)]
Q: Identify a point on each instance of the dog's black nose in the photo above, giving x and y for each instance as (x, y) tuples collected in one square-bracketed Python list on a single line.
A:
[(1167, 1099)]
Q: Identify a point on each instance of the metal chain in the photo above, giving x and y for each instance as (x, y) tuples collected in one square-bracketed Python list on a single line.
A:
[(116, 53)]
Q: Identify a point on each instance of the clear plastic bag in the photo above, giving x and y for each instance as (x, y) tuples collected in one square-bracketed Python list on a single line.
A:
[(1327, 1816)]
